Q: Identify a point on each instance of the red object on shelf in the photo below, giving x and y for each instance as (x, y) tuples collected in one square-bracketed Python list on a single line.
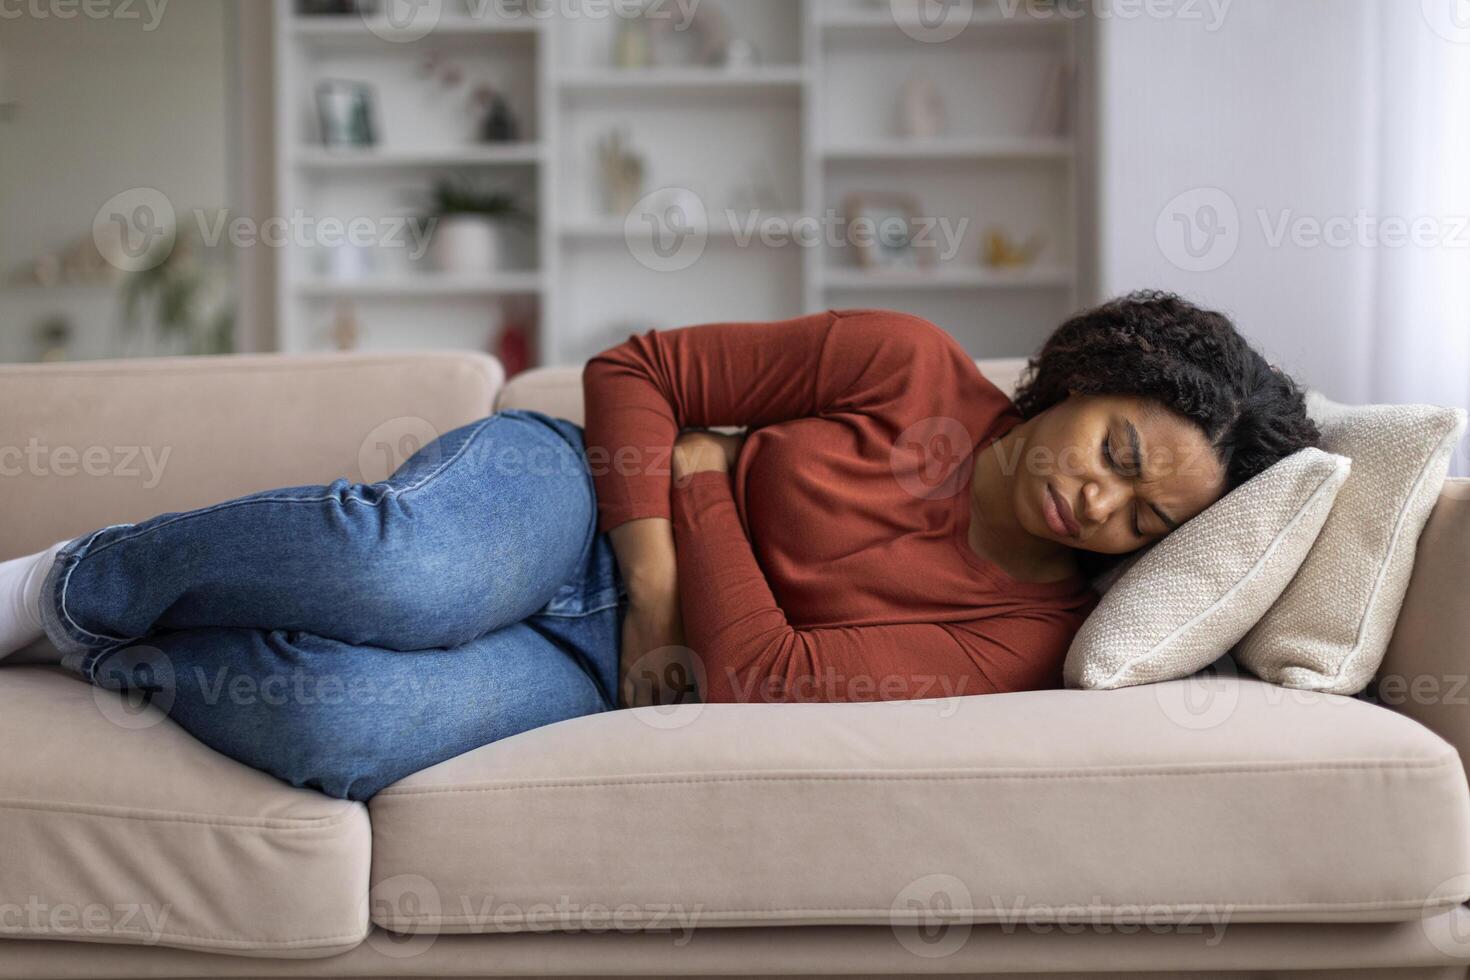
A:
[(513, 344)]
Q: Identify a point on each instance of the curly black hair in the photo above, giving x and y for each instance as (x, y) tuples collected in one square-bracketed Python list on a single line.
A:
[(1156, 345)]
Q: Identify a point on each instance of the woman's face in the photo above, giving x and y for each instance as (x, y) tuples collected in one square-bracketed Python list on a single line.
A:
[(1112, 473)]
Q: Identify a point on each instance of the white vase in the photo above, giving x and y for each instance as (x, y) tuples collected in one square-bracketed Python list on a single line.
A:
[(465, 244)]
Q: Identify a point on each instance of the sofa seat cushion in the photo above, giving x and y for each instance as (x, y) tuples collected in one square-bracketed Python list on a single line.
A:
[(117, 826), (1218, 797)]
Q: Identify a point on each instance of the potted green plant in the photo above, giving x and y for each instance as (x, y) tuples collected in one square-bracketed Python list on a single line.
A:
[(467, 220), (180, 300)]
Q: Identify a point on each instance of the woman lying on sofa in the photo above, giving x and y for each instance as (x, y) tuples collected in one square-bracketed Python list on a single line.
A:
[(892, 526)]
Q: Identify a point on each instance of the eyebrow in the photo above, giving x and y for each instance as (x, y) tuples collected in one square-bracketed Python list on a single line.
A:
[(1135, 446)]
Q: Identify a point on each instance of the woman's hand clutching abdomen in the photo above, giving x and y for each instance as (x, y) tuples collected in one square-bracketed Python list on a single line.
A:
[(698, 450), (653, 657), (645, 550)]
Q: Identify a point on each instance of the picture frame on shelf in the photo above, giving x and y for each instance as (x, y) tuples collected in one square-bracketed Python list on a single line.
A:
[(335, 8), (881, 230), (347, 113)]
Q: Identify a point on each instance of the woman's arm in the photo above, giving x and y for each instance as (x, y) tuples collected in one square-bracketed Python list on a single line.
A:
[(641, 393), (747, 651), (638, 396), (652, 673)]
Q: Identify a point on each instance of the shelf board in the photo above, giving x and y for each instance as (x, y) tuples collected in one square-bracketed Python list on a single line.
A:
[(376, 28), (953, 148), (24, 288), (676, 82), (722, 227), (949, 277), (426, 285), (321, 158), (879, 22)]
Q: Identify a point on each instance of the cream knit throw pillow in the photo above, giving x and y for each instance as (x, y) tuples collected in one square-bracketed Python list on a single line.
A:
[(1195, 593), (1330, 628)]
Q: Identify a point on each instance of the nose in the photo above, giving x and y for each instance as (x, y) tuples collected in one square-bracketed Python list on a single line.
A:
[(1102, 498)]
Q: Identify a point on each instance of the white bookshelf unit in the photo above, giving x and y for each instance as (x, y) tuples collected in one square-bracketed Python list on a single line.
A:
[(789, 137)]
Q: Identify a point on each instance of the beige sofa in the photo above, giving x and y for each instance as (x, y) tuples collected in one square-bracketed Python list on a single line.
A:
[(1215, 826)]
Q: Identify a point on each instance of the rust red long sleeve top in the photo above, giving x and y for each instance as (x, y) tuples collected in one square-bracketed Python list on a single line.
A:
[(833, 563)]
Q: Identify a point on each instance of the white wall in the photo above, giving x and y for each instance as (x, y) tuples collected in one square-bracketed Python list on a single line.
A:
[(105, 105), (1274, 106)]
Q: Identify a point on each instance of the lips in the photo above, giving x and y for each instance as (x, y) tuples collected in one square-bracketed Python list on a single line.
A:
[(1059, 515)]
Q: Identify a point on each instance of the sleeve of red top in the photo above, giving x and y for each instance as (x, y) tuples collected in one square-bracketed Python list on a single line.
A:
[(750, 652), (639, 394)]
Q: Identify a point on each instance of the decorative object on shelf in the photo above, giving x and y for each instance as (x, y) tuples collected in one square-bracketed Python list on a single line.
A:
[(78, 263), (181, 301), (433, 67), (466, 220), (348, 261), (53, 338), (514, 342), (701, 36), (345, 111), (1000, 251), (486, 102), (337, 8), (1052, 116), (740, 53), (346, 330), (1041, 8), (921, 114), (620, 171), (884, 236), (758, 192), (498, 123), (633, 44)]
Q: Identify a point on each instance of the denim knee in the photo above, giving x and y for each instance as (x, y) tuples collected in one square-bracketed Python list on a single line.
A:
[(309, 727)]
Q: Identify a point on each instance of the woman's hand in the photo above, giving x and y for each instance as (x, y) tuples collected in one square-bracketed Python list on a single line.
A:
[(652, 623), (651, 670), (654, 668), (698, 450)]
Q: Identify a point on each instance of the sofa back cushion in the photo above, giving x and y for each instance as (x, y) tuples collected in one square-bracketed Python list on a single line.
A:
[(90, 444), (558, 390), (1330, 628), (1424, 673)]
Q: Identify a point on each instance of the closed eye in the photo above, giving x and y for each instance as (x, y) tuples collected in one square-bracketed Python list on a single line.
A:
[(1112, 460), (1114, 463)]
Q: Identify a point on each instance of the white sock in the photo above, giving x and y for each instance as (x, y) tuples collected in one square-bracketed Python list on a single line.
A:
[(20, 598)]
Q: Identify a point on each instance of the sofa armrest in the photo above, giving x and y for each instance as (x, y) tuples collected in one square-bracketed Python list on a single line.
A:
[(1426, 672)]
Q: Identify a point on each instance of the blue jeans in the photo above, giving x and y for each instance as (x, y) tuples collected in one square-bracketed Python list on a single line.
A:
[(342, 637)]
